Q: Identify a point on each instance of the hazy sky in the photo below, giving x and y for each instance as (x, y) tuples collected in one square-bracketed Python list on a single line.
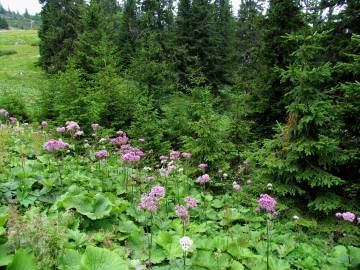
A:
[(33, 6)]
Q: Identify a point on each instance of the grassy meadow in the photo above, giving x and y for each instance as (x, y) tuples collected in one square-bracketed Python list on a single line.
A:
[(19, 73)]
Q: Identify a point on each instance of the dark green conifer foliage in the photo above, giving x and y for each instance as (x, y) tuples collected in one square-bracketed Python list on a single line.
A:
[(59, 29), (202, 41), (284, 17), (225, 34), (128, 33), (3, 23), (94, 48), (304, 156), (348, 103)]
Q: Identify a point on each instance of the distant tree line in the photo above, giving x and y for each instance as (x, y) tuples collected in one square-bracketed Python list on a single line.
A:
[(17, 20)]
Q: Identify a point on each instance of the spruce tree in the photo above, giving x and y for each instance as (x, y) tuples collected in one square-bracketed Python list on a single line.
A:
[(59, 30), (284, 17), (3, 23), (129, 33), (224, 31), (304, 156)]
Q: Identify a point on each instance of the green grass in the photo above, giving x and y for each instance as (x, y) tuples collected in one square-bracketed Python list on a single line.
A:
[(19, 73)]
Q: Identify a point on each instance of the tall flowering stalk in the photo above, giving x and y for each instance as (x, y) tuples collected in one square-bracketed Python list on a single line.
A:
[(55, 146), (101, 156), (267, 204), (185, 243), (150, 202)]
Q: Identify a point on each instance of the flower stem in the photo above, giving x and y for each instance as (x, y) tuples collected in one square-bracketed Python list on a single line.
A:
[(268, 243)]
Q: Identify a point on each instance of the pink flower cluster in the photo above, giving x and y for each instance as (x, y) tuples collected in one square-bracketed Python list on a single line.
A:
[(191, 202), (54, 145), (186, 155), (347, 216), (101, 154), (202, 166), (182, 212), (60, 129), (203, 179), (150, 201), (236, 186), (121, 139), (130, 154), (43, 124), (166, 171), (157, 191), (72, 126), (149, 179), (174, 155), (267, 203)]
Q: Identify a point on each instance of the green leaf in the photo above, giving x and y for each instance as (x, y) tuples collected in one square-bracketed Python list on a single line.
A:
[(70, 260), (93, 206), (96, 258), (22, 261), (237, 266), (354, 253), (4, 258)]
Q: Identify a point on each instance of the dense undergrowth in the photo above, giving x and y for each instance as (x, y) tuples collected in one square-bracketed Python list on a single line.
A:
[(99, 203)]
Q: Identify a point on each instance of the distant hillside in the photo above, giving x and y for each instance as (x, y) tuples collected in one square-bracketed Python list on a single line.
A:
[(21, 21)]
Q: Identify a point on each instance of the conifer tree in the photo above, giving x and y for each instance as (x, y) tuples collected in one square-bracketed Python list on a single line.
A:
[(304, 156), (3, 23), (284, 17), (224, 31), (129, 33), (59, 30)]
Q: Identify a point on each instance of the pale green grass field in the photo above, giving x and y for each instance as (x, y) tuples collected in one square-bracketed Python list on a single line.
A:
[(19, 73)]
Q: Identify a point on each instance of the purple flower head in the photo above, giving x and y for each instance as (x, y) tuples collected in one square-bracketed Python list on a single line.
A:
[(54, 145), (186, 155), (236, 186), (43, 124), (202, 166), (79, 133), (267, 203), (72, 126), (203, 179), (174, 155), (149, 179), (95, 127), (338, 215), (130, 157), (257, 209), (182, 212), (142, 140), (149, 202), (101, 154), (13, 120), (191, 202), (358, 220), (119, 140), (348, 216), (163, 158), (157, 191), (60, 129)]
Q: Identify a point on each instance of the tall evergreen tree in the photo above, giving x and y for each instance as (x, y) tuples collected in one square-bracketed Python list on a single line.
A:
[(3, 23), (284, 17), (305, 154), (129, 33), (225, 34), (59, 29)]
